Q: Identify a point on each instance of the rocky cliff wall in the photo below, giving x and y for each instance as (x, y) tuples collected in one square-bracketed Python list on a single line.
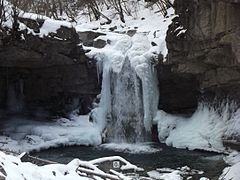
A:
[(204, 61), (46, 75)]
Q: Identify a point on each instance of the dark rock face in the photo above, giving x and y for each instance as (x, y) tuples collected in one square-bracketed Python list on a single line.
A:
[(178, 92), (47, 75), (87, 38), (203, 62)]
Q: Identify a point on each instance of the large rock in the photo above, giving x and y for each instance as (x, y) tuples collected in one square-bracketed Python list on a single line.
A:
[(203, 62), (46, 75)]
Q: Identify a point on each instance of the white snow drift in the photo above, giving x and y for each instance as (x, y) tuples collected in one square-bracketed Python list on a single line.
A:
[(205, 129), (21, 135)]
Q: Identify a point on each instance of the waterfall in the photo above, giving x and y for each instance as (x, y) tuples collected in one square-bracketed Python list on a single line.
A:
[(127, 111), (129, 96)]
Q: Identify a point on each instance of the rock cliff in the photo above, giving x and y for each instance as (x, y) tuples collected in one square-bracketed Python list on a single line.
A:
[(52, 74), (46, 75), (204, 54)]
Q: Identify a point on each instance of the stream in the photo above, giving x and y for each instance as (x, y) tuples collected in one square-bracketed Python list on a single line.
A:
[(168, 157)]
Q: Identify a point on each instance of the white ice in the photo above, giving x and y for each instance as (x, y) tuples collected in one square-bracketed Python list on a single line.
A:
[(138, 148), (232, 172), (151, 27), (204, 130)]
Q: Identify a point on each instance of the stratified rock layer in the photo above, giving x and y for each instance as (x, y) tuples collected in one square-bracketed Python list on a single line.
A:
[(203, 62), (46, 75)]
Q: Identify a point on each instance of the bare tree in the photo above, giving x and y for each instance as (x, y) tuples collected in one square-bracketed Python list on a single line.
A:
[(163, 5), (2, 13), (57, 8), (15, 34), (117, 5)]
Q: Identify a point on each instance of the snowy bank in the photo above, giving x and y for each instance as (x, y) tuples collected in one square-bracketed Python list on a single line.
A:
[(204, 130), (12, 168), (21, 135), (232, 172), (49, 25)]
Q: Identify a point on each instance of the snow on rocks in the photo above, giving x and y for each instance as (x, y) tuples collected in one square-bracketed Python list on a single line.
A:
[(175, 175), (232, 172), (25, 135), (126, 166), (51, 26), (13, 168), (146, 22), (32, 16), (172, 174)]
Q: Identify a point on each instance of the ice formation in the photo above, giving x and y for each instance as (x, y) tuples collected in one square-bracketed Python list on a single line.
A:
[(205, 129), (129, 94)]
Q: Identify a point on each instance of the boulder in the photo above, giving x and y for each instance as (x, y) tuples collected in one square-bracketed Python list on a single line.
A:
[(87, 37)]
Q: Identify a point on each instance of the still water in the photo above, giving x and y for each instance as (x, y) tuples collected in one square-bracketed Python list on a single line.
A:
[(168, 157)]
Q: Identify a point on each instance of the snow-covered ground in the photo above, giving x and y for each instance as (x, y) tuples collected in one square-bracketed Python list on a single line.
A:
[(13, 168), (21, 134), (203, 130), (24, 135), (148, 22)]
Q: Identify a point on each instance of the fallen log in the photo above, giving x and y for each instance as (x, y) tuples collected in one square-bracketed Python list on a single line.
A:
[(100, 174), (35, 160)]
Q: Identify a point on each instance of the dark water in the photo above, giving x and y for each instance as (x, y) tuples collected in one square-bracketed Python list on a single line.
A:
[(211, 163)]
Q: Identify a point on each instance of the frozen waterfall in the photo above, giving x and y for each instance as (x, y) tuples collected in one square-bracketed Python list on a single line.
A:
[(129, 96)]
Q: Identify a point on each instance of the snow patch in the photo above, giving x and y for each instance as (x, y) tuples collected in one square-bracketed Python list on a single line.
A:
[(32, 16), (175, 175), (180, 173), (51, 26), (127, 165)]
